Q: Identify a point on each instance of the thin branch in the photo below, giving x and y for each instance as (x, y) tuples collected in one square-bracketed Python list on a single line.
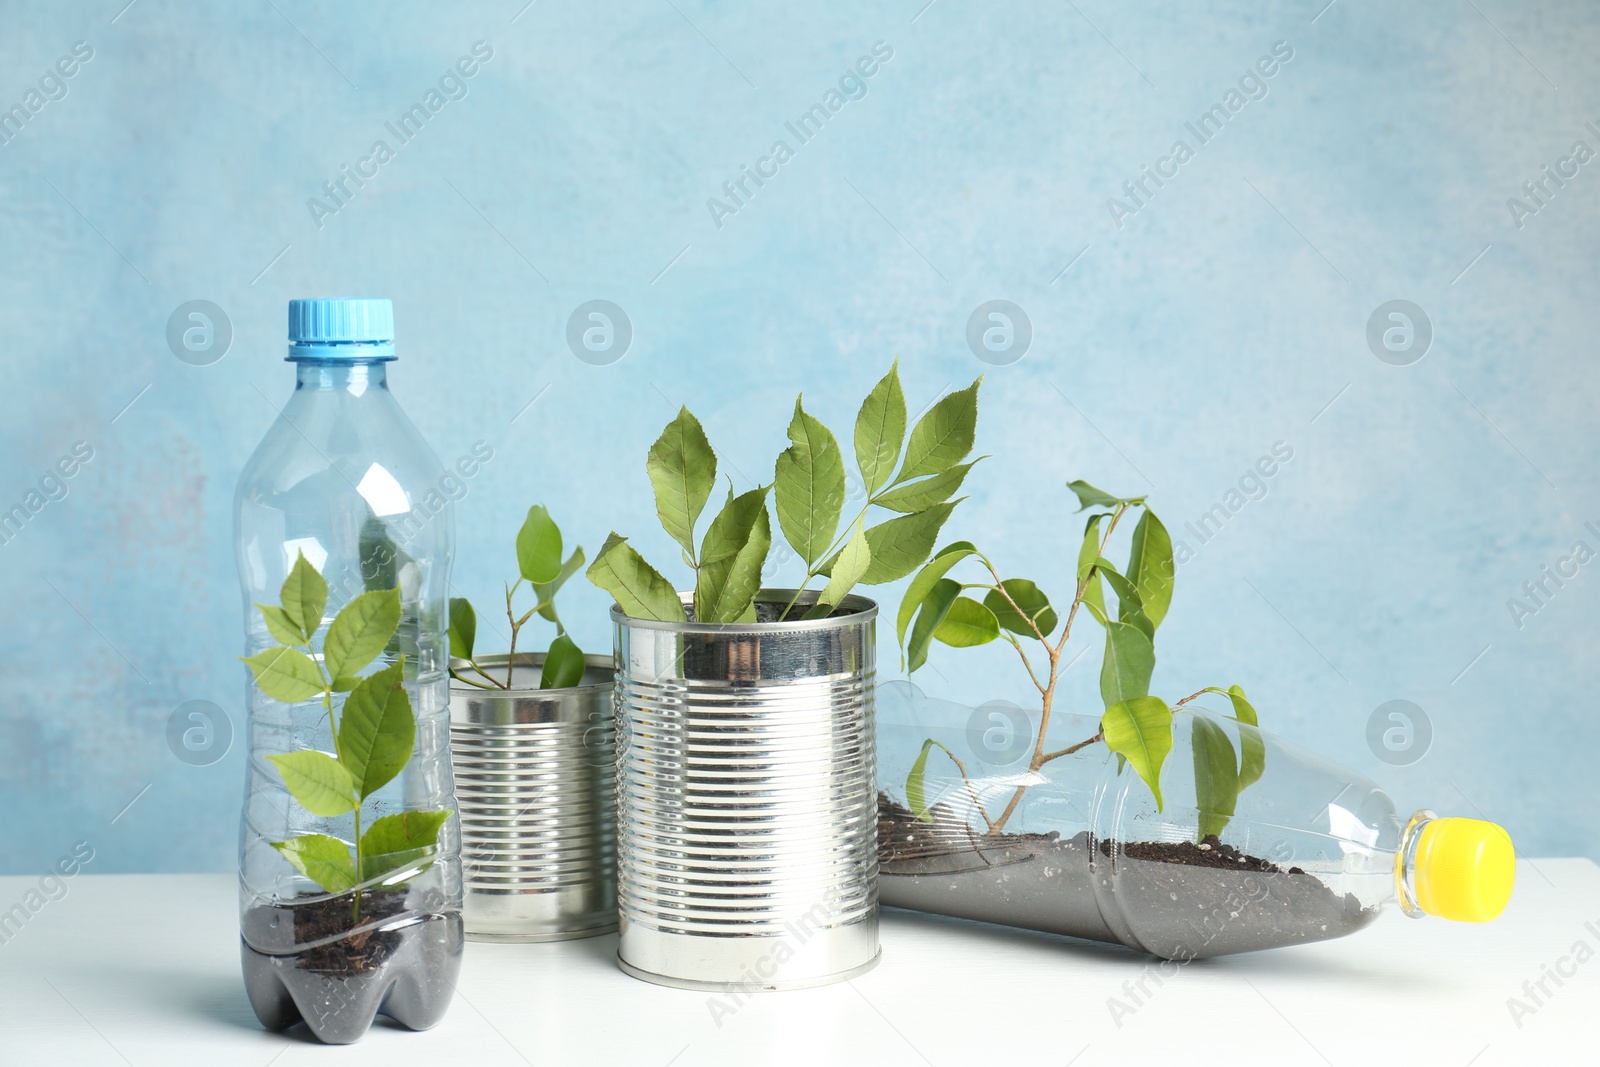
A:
[(971, 792), (511, 656), (464, 680), (1070, 749), (1028, 666), (1000, 586)]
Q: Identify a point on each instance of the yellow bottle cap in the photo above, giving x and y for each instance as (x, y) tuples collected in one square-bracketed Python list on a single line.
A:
[(1464, 869)]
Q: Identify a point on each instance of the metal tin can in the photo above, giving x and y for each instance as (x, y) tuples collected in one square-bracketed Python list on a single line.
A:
[(747, 809), (535, 785)]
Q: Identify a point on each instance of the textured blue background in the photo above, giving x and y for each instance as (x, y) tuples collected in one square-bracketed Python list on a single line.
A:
[(1227, 314)]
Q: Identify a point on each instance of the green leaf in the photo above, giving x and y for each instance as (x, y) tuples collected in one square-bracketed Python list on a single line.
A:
[(901, 545), (880, 430), (1129, 661), (808, 484), (318, 781), (376, 730), (921, 495), (731, 557), (285, 674), (637, 587), (1140, 729), (381, 558), (1130, 608), (323, 859), (1088, 554), (563, 664), (1031, 599), (916, 799), (1090, 497), (682, 470), (344, 684), (304, 595), (1216, 781), (1252, 747), (924, 582), (359, 632), (943, 437), (1150, 566), (546, 592), (400, 840), (463, 627), (935, 606), (539, 546), (282, 628), (968, 623), (1089, 550), (853, 561)]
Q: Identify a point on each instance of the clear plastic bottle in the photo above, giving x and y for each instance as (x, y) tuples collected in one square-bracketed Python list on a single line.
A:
[(1310, 851), (344, 479)]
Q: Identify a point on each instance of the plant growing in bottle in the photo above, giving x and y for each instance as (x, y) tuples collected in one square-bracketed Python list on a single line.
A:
[(1135, 724), (372, 731), (911, 476), (540, 565), (1094, 857), (951, 847)]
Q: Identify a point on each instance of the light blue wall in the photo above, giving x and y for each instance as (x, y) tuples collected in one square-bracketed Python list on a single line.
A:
[(1223, 316)]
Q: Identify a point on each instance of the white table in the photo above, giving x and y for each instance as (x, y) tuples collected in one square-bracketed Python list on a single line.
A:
[(144, 969)]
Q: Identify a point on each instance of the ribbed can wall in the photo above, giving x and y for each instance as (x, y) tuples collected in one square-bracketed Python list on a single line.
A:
[(534, 782), (746, 799)]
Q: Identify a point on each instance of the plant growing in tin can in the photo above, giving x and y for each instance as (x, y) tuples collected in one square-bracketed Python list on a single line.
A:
[(914, 476), (541, 566)]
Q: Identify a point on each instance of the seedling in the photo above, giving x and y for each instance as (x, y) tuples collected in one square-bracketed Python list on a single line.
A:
[(915, 477), (1136, 725), (539, 563), (372, 734)]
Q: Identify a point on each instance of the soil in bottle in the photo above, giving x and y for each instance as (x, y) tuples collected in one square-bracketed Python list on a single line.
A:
[(1178, 900), (309, 959)]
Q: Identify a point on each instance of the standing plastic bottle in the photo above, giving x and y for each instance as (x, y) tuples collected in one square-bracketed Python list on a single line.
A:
[(344, 481), (1293, 849)]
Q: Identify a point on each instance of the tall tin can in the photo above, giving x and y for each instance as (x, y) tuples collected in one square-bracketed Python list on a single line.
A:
[(746, 799), (535, 786)]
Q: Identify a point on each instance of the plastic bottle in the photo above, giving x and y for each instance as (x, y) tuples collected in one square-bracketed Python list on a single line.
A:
[(344, 479), (1309, 851)]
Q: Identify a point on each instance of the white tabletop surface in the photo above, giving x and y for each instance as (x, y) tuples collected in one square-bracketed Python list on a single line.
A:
[(144, 969)]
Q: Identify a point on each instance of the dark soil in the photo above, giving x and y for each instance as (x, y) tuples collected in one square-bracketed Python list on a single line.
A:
[(310, 959), (1178, 900), (1208, 853)]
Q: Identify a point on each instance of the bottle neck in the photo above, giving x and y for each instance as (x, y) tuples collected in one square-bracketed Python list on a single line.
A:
[(355, 377), (1405, 863)]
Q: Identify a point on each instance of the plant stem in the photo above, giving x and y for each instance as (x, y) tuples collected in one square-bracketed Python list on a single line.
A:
[(1027, 665), (971, 792), (837, 546), (355, 908), (1070, 749), (1047, 694), (494, 682), (511, 657)]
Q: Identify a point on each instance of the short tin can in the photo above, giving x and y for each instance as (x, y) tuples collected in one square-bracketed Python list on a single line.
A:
[(534, 775)]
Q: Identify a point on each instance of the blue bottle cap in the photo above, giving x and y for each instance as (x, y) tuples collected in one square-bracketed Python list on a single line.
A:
[(354, 328)]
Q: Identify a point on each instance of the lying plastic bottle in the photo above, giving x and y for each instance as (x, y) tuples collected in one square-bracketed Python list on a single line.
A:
[(1307, 851)]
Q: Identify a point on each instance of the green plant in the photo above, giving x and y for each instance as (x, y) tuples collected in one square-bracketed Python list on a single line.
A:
[(1135, 725), (372, 735), (539, 563), (913, 476)]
